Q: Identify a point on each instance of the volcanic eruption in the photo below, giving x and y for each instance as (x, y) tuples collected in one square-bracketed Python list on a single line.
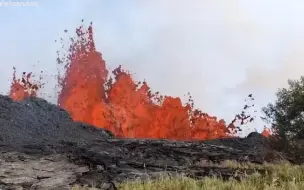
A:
[(114, 101)]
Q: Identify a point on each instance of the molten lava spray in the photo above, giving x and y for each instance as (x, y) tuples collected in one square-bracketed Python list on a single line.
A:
[(266, 132), (116, 102), (23, 88)]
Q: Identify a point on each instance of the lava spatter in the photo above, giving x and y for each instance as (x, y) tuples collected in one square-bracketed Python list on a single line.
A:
[(91, 94), (82, 86), (23, 88), (127, 108)]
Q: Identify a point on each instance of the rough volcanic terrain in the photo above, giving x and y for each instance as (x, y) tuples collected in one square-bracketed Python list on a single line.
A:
[(106, 129), (42, 148)]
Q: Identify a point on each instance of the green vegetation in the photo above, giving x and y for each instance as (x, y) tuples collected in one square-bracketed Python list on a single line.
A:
[(283, 176), (286, 114), (286, 118)]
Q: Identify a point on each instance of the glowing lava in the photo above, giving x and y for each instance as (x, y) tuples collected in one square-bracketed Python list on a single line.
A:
[(23, 88), (266, 132), (121, 105)]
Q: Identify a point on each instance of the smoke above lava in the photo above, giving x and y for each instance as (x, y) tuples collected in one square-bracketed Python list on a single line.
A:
[(113, 100)]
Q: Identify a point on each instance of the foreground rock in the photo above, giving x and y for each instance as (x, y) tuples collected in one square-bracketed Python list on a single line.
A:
[(41, 148)]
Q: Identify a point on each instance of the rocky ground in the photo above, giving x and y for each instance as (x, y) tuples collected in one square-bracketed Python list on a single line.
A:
[(42, 148)]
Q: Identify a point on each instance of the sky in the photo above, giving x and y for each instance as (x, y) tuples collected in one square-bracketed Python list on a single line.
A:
[(220, 51)]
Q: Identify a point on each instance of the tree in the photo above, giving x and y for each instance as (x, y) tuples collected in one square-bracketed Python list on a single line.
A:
[(286, 115)]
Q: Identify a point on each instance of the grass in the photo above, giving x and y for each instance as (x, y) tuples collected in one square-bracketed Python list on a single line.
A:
[(282, 176)]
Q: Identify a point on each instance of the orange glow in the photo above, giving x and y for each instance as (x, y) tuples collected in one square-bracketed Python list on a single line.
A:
[(116, 102), (23, 88), (266, 132)]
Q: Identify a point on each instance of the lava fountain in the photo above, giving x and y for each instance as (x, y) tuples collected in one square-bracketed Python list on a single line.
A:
[(92, 94), (23, 88)]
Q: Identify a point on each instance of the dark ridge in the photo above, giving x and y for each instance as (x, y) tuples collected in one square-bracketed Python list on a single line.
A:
[(35, 121), (39, 143)]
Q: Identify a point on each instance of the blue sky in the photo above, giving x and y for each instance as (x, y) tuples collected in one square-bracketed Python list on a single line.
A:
[(219, 51)]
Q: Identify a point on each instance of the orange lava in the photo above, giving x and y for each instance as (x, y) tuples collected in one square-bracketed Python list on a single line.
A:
[(23, 88), (266, 132), (116, 102)]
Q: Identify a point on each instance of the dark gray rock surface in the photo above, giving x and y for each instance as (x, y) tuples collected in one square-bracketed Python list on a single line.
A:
[(42, 148)]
